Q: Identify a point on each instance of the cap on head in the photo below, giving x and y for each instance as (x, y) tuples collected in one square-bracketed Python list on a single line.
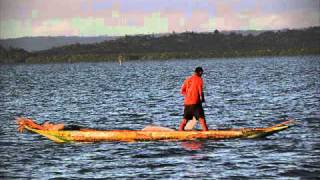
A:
[(198, 70)]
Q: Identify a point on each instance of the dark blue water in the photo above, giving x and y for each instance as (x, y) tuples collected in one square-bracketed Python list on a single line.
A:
[(246, 92)]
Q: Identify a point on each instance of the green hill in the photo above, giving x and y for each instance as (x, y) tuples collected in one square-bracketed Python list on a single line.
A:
[(188, 45)]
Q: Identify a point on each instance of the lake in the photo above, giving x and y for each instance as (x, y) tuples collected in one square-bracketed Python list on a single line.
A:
[(240, 92)]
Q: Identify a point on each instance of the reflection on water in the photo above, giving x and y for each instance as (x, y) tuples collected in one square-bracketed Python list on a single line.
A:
[(240, 93), (192, 145)]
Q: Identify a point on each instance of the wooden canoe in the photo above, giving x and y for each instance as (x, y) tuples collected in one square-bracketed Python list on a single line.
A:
[(62, 136)]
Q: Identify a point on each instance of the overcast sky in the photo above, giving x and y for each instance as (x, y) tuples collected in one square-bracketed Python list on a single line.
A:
[(20, 18)]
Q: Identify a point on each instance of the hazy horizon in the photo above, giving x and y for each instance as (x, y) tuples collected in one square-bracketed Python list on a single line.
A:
[(35, 18), (93, 36)]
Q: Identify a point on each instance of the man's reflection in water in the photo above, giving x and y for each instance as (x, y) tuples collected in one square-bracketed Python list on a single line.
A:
[(192, 145)]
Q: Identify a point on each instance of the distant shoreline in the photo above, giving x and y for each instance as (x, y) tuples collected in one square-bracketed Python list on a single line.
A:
[(166, 56), (33, 61), (187, 45)]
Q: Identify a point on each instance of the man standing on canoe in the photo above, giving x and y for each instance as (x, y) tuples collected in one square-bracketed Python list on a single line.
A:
[(192, 90)]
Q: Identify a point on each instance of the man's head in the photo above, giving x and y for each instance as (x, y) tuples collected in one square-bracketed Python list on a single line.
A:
[(199, 71)]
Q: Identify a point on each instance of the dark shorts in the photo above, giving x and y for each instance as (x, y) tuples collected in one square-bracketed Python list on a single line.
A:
[(193, 110)]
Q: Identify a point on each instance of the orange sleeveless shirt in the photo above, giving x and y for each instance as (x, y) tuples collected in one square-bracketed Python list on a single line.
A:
[(192, 90)]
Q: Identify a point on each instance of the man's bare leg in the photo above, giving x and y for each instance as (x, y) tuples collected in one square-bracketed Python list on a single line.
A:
[(191, 124), (203, 124), (182, 124)]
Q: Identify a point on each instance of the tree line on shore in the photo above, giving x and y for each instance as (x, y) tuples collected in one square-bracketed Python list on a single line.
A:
[(177, 46)]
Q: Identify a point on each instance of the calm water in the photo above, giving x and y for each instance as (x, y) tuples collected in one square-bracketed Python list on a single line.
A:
[(240, 93)]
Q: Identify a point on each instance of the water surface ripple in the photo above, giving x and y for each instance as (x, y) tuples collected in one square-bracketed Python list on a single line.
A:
[(244, 92)]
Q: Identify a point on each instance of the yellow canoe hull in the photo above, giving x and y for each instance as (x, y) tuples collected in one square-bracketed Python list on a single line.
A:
[(154, 135)]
